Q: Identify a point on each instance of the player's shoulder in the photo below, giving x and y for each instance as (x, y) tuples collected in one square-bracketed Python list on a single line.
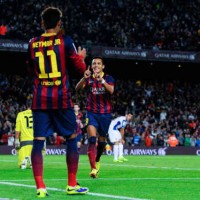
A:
[(67, 37), (31, 40), (109, 77), (119, 118), (122, 118), (19, 113), (25, 112)]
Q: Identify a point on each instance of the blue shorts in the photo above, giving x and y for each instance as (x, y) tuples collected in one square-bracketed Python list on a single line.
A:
[(100, 121), (79, 137), (46, 122)]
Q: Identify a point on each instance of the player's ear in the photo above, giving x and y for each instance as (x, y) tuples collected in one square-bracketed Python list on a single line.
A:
[(103, 66), (42, 24), (59, 24)]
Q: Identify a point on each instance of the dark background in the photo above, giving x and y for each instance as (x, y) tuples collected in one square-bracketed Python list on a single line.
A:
[(15, 63)]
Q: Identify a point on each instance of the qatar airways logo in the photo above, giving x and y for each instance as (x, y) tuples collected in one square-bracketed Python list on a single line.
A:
[(50, 151), (57, 151), (198, 152), (142, 151), (97, 90)]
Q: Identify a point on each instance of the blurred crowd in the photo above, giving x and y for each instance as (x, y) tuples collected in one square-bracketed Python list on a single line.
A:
[(162, 109), (154, 24)]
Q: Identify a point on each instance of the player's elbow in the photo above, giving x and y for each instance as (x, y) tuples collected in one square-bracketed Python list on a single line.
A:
[(78, 87), (111, 90)]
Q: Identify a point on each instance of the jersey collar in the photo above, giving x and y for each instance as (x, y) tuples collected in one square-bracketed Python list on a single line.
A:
[(102, 74), (48, 34)]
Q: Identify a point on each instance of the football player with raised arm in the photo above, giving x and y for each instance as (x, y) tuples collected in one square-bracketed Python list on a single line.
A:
[(51, 56), (99, 88)]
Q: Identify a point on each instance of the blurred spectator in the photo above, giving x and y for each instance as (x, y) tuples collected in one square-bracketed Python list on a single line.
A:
[(181, 139), (79, 119), (172, 140), (198, 141), (128, 134), (56, 139), (3, 29), (148, 140), (193, 141), (136, 139), (192, 126), (187, 142), (160, 140)]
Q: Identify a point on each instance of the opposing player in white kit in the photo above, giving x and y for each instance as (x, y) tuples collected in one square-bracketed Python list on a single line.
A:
[(116, 136)]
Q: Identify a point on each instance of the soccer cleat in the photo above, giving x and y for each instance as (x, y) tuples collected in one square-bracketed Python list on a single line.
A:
[(94, 173), (122, 159), (23, 166), (24, 163), (28, 164), (76, 190), (98, 165), (42, 193)]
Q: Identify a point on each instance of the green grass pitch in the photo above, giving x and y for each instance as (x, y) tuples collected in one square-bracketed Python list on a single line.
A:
[(141, 178)]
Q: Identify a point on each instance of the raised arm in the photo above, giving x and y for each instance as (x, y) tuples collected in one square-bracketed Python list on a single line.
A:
[(80, 85)]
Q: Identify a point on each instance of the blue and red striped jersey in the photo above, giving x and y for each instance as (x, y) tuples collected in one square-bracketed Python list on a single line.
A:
[(50, 57), (79, 127), (98, 99)]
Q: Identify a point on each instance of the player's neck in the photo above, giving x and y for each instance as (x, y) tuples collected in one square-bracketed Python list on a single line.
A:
[(51, 31)]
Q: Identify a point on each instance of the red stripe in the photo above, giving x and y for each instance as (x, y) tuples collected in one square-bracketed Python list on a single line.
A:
[(44, 98), (101, 102), (32, 57), (63, 71), (54, 90), (95, 99)]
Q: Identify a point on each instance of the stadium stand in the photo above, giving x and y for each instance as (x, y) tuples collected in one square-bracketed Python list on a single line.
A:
[(154, 24)]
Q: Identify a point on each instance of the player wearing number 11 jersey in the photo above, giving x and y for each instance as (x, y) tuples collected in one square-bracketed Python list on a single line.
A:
[(51, 55)]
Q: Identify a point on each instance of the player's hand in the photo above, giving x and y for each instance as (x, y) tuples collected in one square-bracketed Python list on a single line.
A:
[(44, 151), (122, 141), (82, 52), (17, 144), (87, 73), (98, 76)]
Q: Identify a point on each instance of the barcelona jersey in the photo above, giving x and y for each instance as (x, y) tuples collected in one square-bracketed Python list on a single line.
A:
[(79, 117), (50, 58), (98, 99)]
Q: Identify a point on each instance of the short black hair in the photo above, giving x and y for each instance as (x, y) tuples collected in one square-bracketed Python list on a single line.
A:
[(51, 16), (98, 57)]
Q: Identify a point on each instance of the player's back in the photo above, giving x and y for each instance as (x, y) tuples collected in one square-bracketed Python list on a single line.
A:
[(24, 124), (50, 57), (117, 123)]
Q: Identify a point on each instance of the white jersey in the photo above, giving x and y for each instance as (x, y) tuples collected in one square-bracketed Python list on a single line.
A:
[(115, 125)]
